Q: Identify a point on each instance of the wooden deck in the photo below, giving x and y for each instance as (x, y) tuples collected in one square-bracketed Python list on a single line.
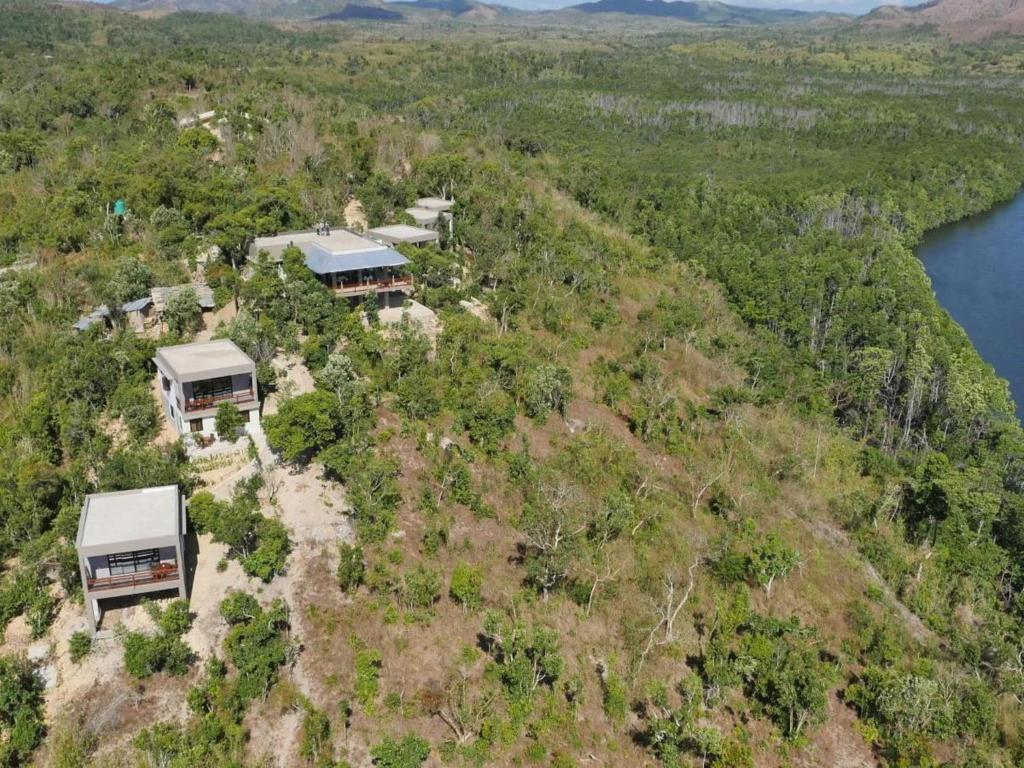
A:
[(140, 578), (210, 401), (355, 289)]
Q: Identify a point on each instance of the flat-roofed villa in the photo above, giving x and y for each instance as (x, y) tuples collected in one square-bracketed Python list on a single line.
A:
[(349, 264), (195, 379), (428, 211), (131, 543), (395, 234)]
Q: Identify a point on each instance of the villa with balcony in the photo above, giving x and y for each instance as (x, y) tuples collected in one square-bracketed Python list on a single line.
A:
[(351, 265), (131, 543), (194, 379)]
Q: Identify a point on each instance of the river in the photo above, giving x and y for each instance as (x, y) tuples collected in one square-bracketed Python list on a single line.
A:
[(977, 269)]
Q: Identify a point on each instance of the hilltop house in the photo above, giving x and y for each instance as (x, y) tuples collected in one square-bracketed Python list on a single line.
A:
[(131, 543), (351, 265), (196, 378)]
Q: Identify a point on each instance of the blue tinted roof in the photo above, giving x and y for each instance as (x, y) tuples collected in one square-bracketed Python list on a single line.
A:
[(324, 262)]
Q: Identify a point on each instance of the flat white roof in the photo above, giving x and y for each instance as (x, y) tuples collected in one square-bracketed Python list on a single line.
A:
[(403, 233), (204, 359), (338, 243), (424, 215), (128, 517), (435, 203)]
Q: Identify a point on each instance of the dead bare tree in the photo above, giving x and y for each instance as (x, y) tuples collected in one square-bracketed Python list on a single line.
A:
[(702, 487), (666, 612)]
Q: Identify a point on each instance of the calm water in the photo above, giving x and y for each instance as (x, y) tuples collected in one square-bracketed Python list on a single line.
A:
[(977, 268)]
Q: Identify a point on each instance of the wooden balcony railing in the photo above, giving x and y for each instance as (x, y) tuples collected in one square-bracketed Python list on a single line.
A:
[(353, 288), (162, 572), (209, 401)]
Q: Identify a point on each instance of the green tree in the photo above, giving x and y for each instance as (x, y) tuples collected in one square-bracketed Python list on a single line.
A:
[(130, 279), (21, 711), (304, 426), (411, 752), (182, 313), (770, 560), (229, 421), (351, 567), (466, 585)]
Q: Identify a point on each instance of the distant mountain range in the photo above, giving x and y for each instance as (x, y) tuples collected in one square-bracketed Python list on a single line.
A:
[(963, 18), (969, 19), (699, 11), (320, 10)]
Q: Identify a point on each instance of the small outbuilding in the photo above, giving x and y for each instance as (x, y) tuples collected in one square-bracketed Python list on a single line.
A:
[(131, 543)]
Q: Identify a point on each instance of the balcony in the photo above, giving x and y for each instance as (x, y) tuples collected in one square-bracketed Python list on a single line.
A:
[(204, 402), (367, 286), (158, 573)]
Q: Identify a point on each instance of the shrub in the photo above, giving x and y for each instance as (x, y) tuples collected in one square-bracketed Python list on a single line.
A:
[(205, 510), (368, 665), (548, 389), (42, 610), (21, 711), (145, 655), (351, 567), (134, 404), (256, 644), (422, 587), (269, 557), (239, 607), (316, 737), (229, 421), (410, 752), (79, 646), (467, 582), (614, 696)]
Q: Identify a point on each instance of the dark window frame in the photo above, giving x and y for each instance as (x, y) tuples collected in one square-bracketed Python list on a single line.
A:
[(140, 560), (218, 387)]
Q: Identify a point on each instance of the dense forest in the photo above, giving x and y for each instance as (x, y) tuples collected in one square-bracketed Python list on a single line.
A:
[(706, 477)]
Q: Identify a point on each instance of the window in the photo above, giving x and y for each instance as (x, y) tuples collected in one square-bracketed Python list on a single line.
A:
[(195, 425), (212, 388), (133, 562)]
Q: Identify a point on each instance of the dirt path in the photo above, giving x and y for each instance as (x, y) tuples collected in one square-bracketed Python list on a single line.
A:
[(355, 217)]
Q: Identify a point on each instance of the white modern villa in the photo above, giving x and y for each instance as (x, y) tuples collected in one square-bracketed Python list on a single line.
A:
[(195, 379), (131, 543)]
